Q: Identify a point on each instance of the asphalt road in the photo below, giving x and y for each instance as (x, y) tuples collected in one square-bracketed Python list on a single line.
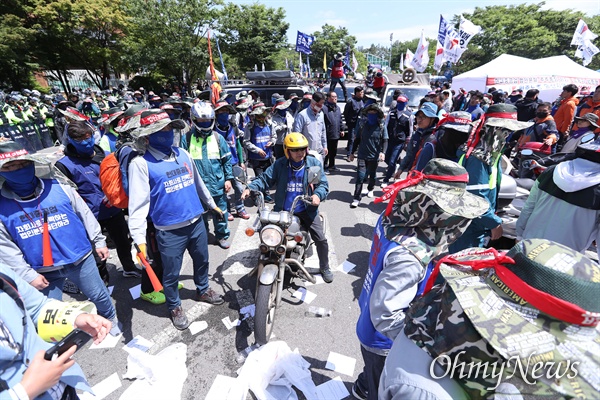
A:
[(214, 350)]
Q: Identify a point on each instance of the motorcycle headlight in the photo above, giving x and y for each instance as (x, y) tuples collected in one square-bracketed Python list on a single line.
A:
[(272, 236)]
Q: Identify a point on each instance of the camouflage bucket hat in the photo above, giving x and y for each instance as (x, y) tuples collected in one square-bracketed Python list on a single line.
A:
[(539, 303), (504, 116), (457, 120), (73, 114), (444, 182), (110, 115), (151, 121)]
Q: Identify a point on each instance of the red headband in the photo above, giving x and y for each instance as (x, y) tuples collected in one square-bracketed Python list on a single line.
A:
[(414, 177), (13, 154), (545, 302), (153, 118), (449, 119)]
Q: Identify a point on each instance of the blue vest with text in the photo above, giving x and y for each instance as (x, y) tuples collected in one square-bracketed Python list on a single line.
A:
[(366, 332), (260, 137), (231, 140), (85, 173), (23, 221), (173, 195)]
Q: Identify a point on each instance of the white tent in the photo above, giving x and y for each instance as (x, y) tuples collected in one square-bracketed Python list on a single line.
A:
[(508, 73)]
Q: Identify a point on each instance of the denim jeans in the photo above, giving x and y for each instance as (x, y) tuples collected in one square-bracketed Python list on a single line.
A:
[(221, 228), (391, 159), (366, 168), (87, 278), (368, 380), (171, 245)]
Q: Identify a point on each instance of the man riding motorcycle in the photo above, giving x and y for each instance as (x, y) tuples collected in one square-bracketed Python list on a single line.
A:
[(288, 175)]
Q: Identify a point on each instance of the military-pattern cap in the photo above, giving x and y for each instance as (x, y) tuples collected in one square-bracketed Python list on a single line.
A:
[(489, 316)]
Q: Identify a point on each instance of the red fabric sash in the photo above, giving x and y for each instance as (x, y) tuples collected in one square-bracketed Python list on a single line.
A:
[(474, 138), (546, 303), (413, 178)]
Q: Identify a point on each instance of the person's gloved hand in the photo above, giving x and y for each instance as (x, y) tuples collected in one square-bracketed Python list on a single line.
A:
[(219, 214), (144, 251)]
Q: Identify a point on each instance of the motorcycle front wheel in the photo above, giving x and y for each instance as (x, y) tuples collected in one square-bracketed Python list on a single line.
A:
[(264, 316)]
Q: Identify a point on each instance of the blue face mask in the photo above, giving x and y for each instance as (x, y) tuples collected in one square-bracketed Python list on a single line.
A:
[(294, 106), (282, 112), (369, 102), (400, 106), (305, 104), (372, 119), (85, 146), (162, 141), (21, 181), (222, 119)]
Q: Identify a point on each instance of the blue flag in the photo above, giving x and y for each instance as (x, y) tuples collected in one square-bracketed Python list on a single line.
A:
[(304, 42), (222, 63), (347, 58)]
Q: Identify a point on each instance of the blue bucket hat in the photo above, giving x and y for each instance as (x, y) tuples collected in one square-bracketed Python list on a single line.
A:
[(429, 109)]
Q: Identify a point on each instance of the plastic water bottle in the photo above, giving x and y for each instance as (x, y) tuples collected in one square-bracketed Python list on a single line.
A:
[(242, 355), (318, 312)]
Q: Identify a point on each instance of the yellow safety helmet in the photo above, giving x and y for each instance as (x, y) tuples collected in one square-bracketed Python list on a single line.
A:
[(294, 140)]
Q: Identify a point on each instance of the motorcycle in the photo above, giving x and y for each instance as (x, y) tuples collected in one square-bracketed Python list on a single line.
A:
[(284, 244)]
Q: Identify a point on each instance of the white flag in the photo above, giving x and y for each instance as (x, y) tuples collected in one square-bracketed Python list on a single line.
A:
[(354, 63), (421, 57), (586, 51), (452, 49), (582, 33), (408, 58), (467, 30), (401, 62), (439, 49)]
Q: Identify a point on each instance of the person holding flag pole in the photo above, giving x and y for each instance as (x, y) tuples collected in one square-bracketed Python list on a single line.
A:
[(215, 86)]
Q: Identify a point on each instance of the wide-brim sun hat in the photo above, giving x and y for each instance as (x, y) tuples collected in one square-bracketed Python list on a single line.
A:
[(282, 104), (370, 94), (110, 115), (540, 300), (444, 182), (154, 120), (505, 116), (223, 104), (259, 109), (591, 118), (458, 120), (244, 102), (338, 56), (73, 114)]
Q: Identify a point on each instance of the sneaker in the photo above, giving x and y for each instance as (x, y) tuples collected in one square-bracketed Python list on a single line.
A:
[(364, 191), (384, 184), (210, 297), (229, 217), (269, 200), (117, 327), (153, 297), (358, 392), (243, 214), (224, 243), (132, 274), (179, 318), (354, 203), (327, 275), (370, 194), (327, 172)]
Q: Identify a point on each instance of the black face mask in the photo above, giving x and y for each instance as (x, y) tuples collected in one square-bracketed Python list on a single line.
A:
[(541, 115)]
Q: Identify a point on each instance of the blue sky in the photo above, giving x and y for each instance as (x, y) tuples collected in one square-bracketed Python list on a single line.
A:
[(373, 21)]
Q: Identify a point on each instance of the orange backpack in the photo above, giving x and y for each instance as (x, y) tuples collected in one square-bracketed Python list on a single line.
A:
[(113, 176)]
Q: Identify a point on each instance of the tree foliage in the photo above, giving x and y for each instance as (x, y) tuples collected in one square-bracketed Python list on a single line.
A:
[(252, 34), (330, 40)]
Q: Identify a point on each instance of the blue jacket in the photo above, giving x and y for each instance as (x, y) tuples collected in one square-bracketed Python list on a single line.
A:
[(214, 168), (278, 174), (12, 317)]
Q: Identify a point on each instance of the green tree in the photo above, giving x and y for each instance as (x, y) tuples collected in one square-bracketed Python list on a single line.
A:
[(329, 40), (168, 38), (252, 34)]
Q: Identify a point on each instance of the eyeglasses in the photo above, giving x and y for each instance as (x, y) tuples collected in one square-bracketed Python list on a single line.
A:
[(298, 150)]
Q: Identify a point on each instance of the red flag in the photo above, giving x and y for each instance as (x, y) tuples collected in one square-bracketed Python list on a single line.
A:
[(215, 85)]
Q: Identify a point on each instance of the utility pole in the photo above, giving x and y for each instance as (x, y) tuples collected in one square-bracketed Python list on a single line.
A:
[(391, 44)]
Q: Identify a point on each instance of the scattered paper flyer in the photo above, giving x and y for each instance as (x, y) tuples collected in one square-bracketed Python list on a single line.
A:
[(346, 267), (109, 341), (103, 389), (332, 390), (229, 323), (220, 388), (304, 295), (198, 326), (340, 363), (141, 343), (318, 278), (136, 291)]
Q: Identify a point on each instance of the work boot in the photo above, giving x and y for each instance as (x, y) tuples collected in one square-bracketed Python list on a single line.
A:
[(179, 318), (210, 297)]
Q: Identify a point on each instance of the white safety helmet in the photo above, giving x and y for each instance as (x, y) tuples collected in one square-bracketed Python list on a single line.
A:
[(203, 111)]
